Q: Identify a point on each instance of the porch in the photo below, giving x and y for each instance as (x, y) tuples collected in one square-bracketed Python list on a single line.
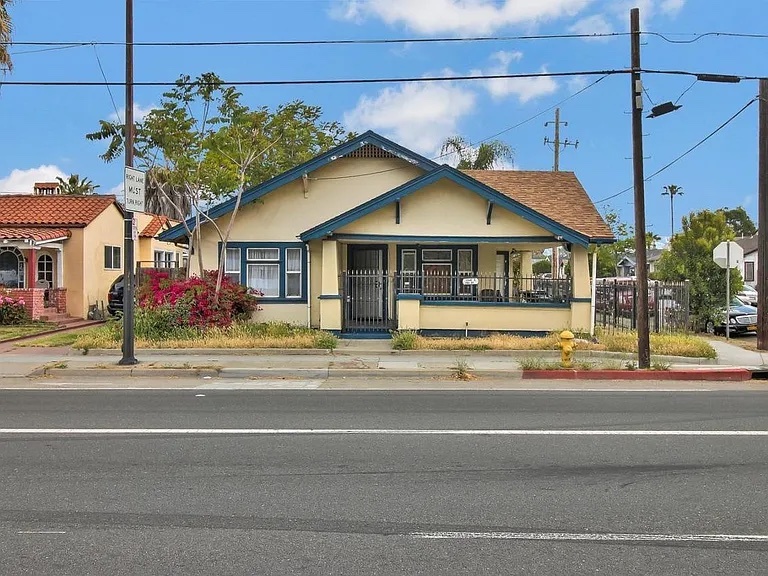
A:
[(33, 272), (442, 288)]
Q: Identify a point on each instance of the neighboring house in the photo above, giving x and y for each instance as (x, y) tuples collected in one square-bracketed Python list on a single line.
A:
[(61, 253), (626, 265), (748, 267), (371, 237)]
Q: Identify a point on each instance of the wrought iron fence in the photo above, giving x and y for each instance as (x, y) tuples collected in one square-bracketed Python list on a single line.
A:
[(616, 305), (485, 288)]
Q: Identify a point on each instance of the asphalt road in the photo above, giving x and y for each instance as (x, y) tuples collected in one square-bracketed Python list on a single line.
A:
[(602, 483)]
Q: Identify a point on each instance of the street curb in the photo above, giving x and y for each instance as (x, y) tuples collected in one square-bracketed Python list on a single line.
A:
[(124, 372), (553, 354), (717, 375)]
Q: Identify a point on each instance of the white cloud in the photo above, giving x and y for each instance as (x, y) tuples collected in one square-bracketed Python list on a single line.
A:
[(597, 24), (576, 83), (672, 7), (648, 9), (139, 112), (526, 89), (463, 16), (23, 181), (418, 116)]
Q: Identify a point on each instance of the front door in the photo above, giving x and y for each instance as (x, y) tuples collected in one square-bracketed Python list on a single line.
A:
[(366, 289)]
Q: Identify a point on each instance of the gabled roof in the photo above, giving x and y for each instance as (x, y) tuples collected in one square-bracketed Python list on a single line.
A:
[(52, 211), (748, 244), (366, 139), (557, 195), (462, 179), (155, 225), (651, 255), (36, 234)]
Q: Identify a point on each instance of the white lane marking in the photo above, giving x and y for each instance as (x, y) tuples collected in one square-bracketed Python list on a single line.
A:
[(576, 537), (374, 431), (199, 395), (40, 532), (606, 537)]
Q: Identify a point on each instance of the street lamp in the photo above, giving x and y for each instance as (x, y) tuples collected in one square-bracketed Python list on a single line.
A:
[(672, 191)]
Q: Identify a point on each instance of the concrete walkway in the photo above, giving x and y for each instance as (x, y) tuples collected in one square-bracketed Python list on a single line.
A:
[(732, 355)]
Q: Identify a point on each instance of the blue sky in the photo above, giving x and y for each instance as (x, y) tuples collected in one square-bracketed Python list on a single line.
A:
[(42, 128)]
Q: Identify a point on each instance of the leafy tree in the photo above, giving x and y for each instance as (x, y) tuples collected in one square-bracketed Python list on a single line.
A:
[(6, 27), (739, 220), (76, 186), (542, 266), (487, 156), (608, 256), (690, 258)]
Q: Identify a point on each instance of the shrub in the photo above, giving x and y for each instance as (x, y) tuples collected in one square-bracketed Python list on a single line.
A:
[(191, 302), (326, 340), (405, 340), (12, 310)]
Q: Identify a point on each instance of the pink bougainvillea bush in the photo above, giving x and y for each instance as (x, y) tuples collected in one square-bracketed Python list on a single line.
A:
[(12, 310), (192, 303)]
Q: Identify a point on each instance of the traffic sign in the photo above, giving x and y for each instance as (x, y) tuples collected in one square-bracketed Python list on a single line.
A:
[(728, 254), (133, 187)]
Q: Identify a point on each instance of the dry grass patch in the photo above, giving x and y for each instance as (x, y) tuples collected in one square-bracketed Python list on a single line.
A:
[(687, 345)]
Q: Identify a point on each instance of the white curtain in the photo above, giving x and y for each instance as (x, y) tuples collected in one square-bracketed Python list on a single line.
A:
[(265, 278)]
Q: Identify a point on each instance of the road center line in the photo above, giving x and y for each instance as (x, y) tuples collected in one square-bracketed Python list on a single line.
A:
[(368, 432), (40, 532), (577, 537)]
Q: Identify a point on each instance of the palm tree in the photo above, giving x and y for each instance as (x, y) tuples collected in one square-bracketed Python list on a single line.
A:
[(164, 197), (487, 156), (6, 27), (76, 186)]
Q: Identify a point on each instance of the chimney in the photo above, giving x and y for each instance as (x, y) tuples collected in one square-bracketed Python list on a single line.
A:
[(47, 188)]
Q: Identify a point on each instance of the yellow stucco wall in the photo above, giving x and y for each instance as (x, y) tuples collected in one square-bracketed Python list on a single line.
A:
[(73, 272), (283, 214), (291, 313), (105, 230), (493, 318), (443, 209)]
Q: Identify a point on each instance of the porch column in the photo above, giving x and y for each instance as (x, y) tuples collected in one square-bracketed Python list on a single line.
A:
[(31, 268), (581, 303), (330, 298), (59, 267)]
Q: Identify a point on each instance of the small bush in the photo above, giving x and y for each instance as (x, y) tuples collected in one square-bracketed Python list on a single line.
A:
[(12, 310), (326, 340), (661, 366), (405, 340), (462, 370)]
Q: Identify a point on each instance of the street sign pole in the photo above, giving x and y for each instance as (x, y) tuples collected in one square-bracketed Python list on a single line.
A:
[(727, 290)]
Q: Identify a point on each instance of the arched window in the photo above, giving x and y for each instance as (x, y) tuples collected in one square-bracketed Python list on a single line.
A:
[(45, 269), (11, 268)]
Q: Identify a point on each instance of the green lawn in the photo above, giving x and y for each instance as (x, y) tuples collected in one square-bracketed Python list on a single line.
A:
[(8, 332), (55, 340)]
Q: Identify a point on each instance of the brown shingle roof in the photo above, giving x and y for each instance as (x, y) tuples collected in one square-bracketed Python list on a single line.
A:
[(60, 211), (37, 234), (155, 225), (557, 195)]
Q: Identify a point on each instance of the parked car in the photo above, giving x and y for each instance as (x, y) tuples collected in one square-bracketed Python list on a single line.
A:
[(115, 297), (742, 318), (748, 295)]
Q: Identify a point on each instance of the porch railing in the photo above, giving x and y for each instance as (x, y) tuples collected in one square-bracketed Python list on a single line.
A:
[(485, 288)]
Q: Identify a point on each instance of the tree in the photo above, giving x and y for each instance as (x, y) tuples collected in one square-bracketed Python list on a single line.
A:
[(202, 145), (690, 258), (487, 156), (76, 186), (739, 220), (6, 27), (542, 266)]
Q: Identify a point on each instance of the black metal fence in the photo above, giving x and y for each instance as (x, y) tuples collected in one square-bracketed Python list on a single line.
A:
[(368, 301), (616, 305), (484, 288)]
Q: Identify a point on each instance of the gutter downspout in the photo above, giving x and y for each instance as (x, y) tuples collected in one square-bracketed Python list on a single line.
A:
[(593, 295)]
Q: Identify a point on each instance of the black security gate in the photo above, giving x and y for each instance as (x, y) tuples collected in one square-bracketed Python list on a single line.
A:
[(368, 302)]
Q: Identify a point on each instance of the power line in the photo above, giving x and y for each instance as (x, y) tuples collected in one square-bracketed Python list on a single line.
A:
[(350, 41), (697, 37), (684, 154), (109, 89), (329, 81)]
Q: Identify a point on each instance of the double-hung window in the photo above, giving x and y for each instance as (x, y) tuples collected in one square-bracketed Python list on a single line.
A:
[(293, 272), (276, 272), (112, 260), (263, 271), (232, 265)]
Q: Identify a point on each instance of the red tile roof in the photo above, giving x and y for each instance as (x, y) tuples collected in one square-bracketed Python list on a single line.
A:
[(37, 234), (155, 225), (57, 210), (557, 195)]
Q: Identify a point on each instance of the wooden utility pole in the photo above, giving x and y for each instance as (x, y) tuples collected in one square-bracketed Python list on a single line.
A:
[(129, 357), (762, 219), (641, 270)]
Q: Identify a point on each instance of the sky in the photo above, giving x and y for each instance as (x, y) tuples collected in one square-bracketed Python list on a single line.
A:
[(42, 128)]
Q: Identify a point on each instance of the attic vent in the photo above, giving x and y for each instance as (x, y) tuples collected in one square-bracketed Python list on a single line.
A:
[(369, 151)]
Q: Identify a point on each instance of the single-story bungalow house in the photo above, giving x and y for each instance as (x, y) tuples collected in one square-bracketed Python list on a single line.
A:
[(61, 253), (626, 265), (748, 267), (371, 237)]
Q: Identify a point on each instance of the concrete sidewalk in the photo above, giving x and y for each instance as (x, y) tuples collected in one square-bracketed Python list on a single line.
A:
[(353, 359)]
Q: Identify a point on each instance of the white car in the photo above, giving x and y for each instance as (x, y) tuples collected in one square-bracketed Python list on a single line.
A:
[(748, 295)]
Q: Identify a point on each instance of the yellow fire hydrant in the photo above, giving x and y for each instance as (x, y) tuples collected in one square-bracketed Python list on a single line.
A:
[(566, 345)]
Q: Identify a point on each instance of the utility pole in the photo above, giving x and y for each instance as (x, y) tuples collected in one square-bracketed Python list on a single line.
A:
[(557, 144), (641, 270), (762, 220), (129, 357)]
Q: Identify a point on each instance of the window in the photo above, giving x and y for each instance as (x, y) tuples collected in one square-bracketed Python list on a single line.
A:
[(264, 254), (408, 261), (434, 255), (11, 268), (232, 265), (265, 278), (164, 259), (749, 271), (112, 257), (464, 268), (45, 269), (293, 272)]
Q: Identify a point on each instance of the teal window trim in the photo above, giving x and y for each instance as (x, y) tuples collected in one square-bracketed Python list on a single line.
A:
[(281, 262)]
